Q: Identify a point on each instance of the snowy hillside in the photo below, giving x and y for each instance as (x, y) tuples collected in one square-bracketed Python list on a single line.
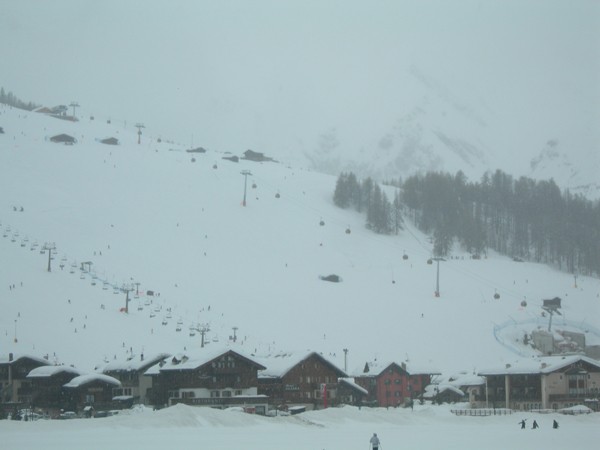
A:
[(173, 222)]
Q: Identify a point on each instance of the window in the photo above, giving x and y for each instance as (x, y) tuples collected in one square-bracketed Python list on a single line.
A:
[(89, 398), (238, 392), (215, 394), (188, 394), (226, 394)]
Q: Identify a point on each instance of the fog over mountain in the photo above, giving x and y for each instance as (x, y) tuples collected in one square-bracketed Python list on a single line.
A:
[(384, 88)]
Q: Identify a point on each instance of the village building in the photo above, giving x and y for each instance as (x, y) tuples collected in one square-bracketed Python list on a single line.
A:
[(303, 379), (93, 390), (461, 387), (219, 378), (390, 383), (554, 382), (135, 384), (350, 393), (48, 393), (15, 387)]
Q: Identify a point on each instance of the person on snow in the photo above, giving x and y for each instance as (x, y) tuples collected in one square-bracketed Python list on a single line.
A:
[(374, 442), (554, 424), (535, 425), (522, 422)]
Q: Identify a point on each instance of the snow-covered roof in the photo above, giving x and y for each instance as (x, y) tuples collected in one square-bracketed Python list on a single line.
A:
[(377, 366), (543, 365), (49, 371), (350, 382), (132, 365), (5, 359), (434, 389), (89, 378), (193, 359), (277, 365)]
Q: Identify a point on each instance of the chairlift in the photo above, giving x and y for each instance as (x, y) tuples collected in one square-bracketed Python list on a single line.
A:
[(348, 231), (105, 286), (164, 322), (496, 295), (277, 195), (152, 314), (214, 166), (430, 261), (178, 328), (322, 222), (82, 276), (253, 185), (193, 160), (405, 257), (140, 308), (523, 303), (192, 333)]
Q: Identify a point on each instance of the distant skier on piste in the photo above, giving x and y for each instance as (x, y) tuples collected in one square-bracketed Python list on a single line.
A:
[(522, 422), (374, 442)]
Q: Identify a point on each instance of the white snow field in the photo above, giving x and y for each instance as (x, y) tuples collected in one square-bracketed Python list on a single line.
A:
[(187, 428)]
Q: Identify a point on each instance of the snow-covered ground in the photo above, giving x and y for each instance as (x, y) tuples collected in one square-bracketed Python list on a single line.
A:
[(183, 428), (147, 214)]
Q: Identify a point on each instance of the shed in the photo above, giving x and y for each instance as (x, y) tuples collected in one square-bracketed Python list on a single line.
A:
[(63, 139), (110, 141)]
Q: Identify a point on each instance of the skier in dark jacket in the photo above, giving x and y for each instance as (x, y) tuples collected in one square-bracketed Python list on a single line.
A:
[(554, 424), (522, 422), (535, 425)]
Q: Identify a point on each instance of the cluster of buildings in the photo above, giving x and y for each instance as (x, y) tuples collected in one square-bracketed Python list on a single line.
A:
[(286, 381)]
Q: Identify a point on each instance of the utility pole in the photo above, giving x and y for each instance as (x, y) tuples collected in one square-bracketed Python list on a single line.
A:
[(234, 333), (245, 173), (127, 288), (49, 247), (74, 105), (139, 126), (137, 288), (437, 278), (16, 331)]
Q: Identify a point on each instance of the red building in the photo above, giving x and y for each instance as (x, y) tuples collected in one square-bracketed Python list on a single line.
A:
[(390, 384)]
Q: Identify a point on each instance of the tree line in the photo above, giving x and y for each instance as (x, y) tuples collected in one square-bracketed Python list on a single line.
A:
[(383, 216), (12, 100), (523, 218)]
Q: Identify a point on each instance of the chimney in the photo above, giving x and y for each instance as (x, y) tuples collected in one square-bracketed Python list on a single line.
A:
[(403, 365)]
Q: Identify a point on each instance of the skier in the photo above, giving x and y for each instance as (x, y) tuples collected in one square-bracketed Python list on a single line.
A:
[(535, 425), (522, 422), (554, 424), (374, 442)]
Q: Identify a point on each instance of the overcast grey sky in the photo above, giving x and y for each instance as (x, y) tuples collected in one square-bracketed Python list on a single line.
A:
[(269, 73)]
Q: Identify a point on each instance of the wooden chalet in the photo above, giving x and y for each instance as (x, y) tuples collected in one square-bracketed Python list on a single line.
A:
[(553, 382), (47, 388), (218, 378), (307, 379), (63, 139), (135, 384), (95, 390), (15, 387)]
